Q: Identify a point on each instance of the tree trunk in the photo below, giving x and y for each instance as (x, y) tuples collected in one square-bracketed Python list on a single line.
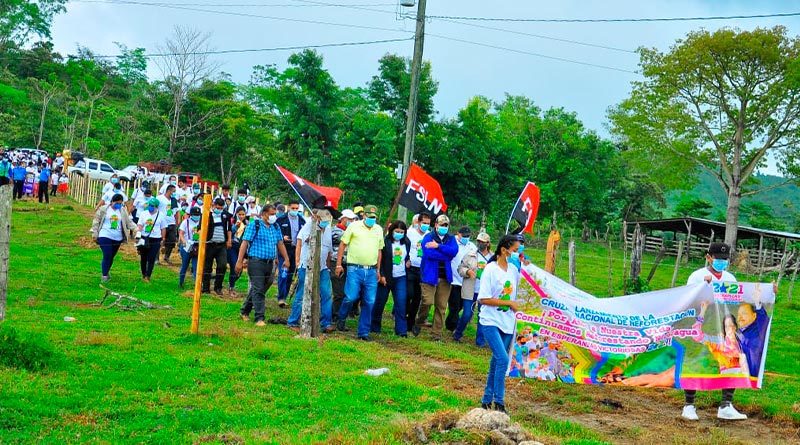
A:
[(732, 216), (88, 124), (45, 102)]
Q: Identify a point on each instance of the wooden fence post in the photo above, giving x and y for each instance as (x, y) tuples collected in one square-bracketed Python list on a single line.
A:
[(636, 254), (572, 266), (661, 253), (677, 264), (309, 319), (5, 237), (610, 270), (201, 257)]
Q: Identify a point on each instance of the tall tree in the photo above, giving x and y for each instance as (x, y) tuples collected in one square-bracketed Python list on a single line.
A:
[(22, 19), (720, 102)]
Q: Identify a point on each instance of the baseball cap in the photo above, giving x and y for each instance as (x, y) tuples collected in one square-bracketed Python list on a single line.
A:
[(196, 211), (153, 202), (465, 231), (484, 237), (358, 209), (442, 219), (371, 210), (347, 213), (719, 250)]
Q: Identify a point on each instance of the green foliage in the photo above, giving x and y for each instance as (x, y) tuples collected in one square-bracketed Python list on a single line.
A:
[(21, 20), (761, 216), (690, 205), (23, 351)]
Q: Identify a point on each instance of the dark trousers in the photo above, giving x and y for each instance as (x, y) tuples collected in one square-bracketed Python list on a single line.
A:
[(233, 257), (109, 247), (454, 305), (18, 189), (727, 396), (43, 192), (149, 255), (260, 274), (170, 240), (414, 293), (215, 253), (53, 189), (337, 284), (284, 283)]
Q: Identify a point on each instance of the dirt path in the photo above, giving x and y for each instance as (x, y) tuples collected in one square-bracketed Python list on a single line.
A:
[(623, 415)]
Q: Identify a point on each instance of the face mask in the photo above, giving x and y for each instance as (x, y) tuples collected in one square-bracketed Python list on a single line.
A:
[(514, 259), (151, 209), (464, 240), (415, 226), (175, 183), (114, 180), (116, 206), (483, 246), (369, 222), (217, 211), (280, 214), (293, 213), (272, 218), (424, 227), (521, 248), (196, 191), (347, 223), (398, 236), (324, 224), (200, 202), (195, 218), (241, 199), (442, 231), (184, 207), (719, 265)]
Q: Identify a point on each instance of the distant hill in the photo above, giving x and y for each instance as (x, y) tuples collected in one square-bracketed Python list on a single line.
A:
[(784, 200)]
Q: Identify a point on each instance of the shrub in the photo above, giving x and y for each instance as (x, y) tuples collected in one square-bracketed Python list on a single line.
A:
[(23, 352)]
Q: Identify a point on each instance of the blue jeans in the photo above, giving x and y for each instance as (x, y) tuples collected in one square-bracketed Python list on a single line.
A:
[(466, 317), (110, 249), (284, 283), (233, 257), (361, 283), (399, 308), (325, 302), (499, 342), (185, 260), (479, 340)]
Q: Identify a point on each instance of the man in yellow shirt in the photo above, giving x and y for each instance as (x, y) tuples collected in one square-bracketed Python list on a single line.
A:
[(364, 242)]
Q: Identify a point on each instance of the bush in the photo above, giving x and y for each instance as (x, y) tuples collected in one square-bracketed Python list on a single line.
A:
[(23, 352)]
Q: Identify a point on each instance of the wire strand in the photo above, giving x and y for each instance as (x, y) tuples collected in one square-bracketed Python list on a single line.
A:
[(617, 20)]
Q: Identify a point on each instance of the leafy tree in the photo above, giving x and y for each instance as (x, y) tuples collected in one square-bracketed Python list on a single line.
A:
[(690, 205), (719, 102), (761, 216), (22, 19)]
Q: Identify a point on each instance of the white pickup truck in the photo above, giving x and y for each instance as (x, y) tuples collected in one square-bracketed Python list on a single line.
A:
[(97, 169)]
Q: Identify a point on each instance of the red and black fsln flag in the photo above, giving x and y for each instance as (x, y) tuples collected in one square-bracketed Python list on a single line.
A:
[(422, 193), (315, 196), (527, 208)]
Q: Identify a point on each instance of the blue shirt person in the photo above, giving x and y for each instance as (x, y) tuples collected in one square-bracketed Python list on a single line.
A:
[(44, 175), (18, 173)]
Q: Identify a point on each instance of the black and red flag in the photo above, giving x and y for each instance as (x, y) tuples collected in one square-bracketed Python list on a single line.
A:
[(313, 196), (526, 209), (421, 193)]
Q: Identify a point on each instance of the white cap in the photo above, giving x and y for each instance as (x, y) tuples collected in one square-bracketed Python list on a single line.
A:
[(250, 199), (347, 213)]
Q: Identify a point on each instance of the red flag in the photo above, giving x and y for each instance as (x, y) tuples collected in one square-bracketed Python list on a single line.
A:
[(314, 196), (422, 193), (527, 208)]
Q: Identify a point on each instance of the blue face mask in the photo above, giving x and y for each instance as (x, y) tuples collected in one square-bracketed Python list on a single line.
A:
[(175, 183), (114, 180), (195, 218), (217, 211), (196, 191), (324, 224), (521, 249), (514, 259), (719, 265), (151, 209), (464, 240), (424, 227), (293, 213), (442, 231), (398, 236), (116, 206), (369, 222), (280, 214)]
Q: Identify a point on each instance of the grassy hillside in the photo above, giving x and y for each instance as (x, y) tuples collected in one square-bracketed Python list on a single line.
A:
[(139, 376)]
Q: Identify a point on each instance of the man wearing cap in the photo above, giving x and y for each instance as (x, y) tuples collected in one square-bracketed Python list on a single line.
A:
[(717, 257), (436, 273), (290, 226), (414, 293), (454, 303), (470, 270), (364, 242), (337, 282), (151, 230), (261, 243)]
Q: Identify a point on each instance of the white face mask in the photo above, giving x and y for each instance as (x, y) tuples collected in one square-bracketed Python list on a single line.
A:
[(272, 218)]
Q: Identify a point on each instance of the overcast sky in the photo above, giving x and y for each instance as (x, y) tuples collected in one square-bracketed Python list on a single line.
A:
[(462, 69)]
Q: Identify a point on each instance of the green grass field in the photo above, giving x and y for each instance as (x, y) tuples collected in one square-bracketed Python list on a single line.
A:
[(135, 377)]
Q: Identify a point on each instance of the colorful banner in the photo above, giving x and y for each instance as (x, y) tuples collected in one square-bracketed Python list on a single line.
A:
[(422, 193), (314, 196), (526, 208), (702, 336)]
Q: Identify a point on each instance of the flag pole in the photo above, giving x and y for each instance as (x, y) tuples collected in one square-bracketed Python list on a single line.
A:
[(511, 216), (308, 207)]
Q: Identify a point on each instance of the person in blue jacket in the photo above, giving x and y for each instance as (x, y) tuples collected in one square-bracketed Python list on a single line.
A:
[(436, 273), (18, 176)]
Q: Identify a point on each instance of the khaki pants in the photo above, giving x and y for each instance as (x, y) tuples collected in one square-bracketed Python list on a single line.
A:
[(437, 296)]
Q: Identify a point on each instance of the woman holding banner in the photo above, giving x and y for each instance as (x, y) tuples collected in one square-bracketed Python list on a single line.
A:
[(498, 295)]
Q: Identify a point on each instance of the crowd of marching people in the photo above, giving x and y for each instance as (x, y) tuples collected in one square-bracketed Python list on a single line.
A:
[(33, 174)]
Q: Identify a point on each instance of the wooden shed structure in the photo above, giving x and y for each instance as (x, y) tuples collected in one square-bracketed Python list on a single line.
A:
[(765, 247)]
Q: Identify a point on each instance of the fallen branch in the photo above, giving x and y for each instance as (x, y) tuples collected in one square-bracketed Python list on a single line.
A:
[(126, 302)]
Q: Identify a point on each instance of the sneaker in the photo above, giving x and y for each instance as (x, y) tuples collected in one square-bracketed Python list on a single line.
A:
[(245, 317), (689, 413), (146, 279), (218, 292), (105, 279), (261, 323), (486, 406), (499, 407), (365, 338), (329, 329), (728, 412), (340, 326), (415, 330)]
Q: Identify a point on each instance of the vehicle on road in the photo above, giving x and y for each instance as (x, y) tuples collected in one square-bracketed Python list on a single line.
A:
[(97, 169)]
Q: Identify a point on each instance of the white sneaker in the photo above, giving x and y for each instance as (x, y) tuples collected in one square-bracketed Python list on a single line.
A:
[(730, 413), (689, 413)]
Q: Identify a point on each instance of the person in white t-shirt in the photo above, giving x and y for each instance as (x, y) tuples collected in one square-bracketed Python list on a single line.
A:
[(173, 180), (498, 295), (110, 184), (394, 260), (718, 257), (418, 230), (470, 270), (189, 234), (110, 227), (116, 190), (455, 302), (168, 205), (303, 261), (152, 228)]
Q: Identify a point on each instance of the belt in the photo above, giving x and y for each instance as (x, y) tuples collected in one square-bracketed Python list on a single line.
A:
[(359, 266), (266, 260), (414, 268)]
